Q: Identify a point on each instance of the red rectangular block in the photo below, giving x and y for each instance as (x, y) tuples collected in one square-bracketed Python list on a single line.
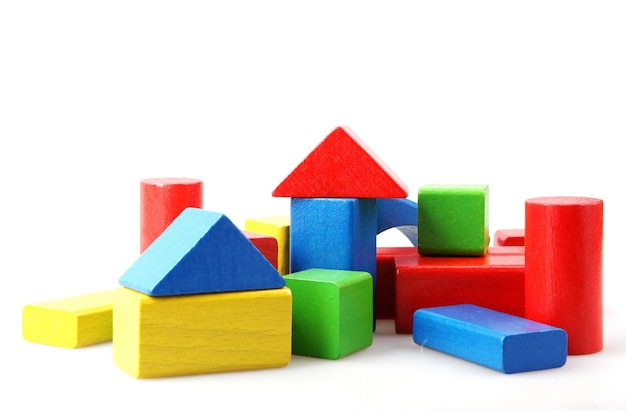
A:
[(495, 281), (386, 279), (509, 237), (507, 250), (267, 245)]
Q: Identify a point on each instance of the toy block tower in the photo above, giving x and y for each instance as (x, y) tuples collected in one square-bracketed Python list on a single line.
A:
[(334, 193), (200, 299)]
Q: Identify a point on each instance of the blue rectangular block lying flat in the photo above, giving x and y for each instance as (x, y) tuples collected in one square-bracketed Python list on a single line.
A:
[(500, 341)]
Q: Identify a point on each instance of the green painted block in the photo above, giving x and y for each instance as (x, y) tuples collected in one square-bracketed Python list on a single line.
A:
[(453, 220), (332, 312)]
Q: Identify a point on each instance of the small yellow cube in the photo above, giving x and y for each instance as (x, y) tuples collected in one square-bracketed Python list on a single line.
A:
[(277, 227)]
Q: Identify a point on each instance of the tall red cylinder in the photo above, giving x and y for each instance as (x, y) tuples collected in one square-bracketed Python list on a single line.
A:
[(161, 201), (563, 279)]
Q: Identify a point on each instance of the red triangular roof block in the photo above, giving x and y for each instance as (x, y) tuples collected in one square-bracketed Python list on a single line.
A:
[(342, 166)]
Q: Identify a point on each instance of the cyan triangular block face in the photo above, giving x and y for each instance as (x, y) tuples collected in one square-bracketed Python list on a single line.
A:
[(201, 252)]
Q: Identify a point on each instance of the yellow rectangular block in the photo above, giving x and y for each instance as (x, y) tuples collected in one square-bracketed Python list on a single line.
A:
[(70, 322), (277, 227), (201, 333)]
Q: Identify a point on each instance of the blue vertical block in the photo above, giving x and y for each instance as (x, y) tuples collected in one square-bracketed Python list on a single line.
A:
[(500, 341), (333, 233)]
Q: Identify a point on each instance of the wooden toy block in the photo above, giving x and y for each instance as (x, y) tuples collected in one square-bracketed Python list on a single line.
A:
[(342, 166), (507, 250), (385, 304), (332, 312), (277, 227), (564, 268), (201, 252), (400, 213), (509, 237), (333, 233), (202, 333), (500, 341), (495, 281), (267, 245), (453, 220), (71, 322), (161, 201)]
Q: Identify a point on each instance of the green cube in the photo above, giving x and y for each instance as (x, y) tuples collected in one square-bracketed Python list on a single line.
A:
[(332, 312), (453, 220)]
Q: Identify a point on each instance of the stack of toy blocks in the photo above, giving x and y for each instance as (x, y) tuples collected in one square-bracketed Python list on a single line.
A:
[(200, 299), (334, 223), (459, 296), (204, 296), (453, 263), (523, 305)]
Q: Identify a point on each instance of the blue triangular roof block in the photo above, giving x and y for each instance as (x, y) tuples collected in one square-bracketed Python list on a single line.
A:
[(201, 252)]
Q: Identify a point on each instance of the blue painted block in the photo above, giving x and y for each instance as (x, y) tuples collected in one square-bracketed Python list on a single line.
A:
[(399, 213), (201, 252), (333, 233), (500, 341)]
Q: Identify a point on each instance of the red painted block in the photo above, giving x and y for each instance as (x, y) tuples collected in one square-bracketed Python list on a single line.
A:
[(386, 279), (161, 201), (507, 250), (267, 245), (564, 268), (342, 166), (509, 237), (494, 281)]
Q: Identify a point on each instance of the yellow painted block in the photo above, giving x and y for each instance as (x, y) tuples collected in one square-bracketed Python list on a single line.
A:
[(277, 227), (70, 322), (201, 333)]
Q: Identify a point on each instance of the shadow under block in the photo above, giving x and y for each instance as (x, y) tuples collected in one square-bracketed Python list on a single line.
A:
[(201, 252), (332, 312), (277, 227), (333, 233), (161, 201), (202, 333), (564, 268), (453, 220), (72, 322), (495, 281), (385, 305), (509, 237), (500, 341), (342, 166), (267, 245), (400, 213)]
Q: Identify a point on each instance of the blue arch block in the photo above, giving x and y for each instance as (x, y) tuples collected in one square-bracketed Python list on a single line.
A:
[(399, 213), (201, 252)]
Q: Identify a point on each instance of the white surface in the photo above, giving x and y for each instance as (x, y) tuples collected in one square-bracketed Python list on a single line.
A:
[(527, 97)]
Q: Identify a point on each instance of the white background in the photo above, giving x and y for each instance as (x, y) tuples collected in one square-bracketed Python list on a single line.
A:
[(528, 97)]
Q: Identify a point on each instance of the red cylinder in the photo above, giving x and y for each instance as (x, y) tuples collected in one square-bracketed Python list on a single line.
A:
[(563, 279), (161, 201)]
